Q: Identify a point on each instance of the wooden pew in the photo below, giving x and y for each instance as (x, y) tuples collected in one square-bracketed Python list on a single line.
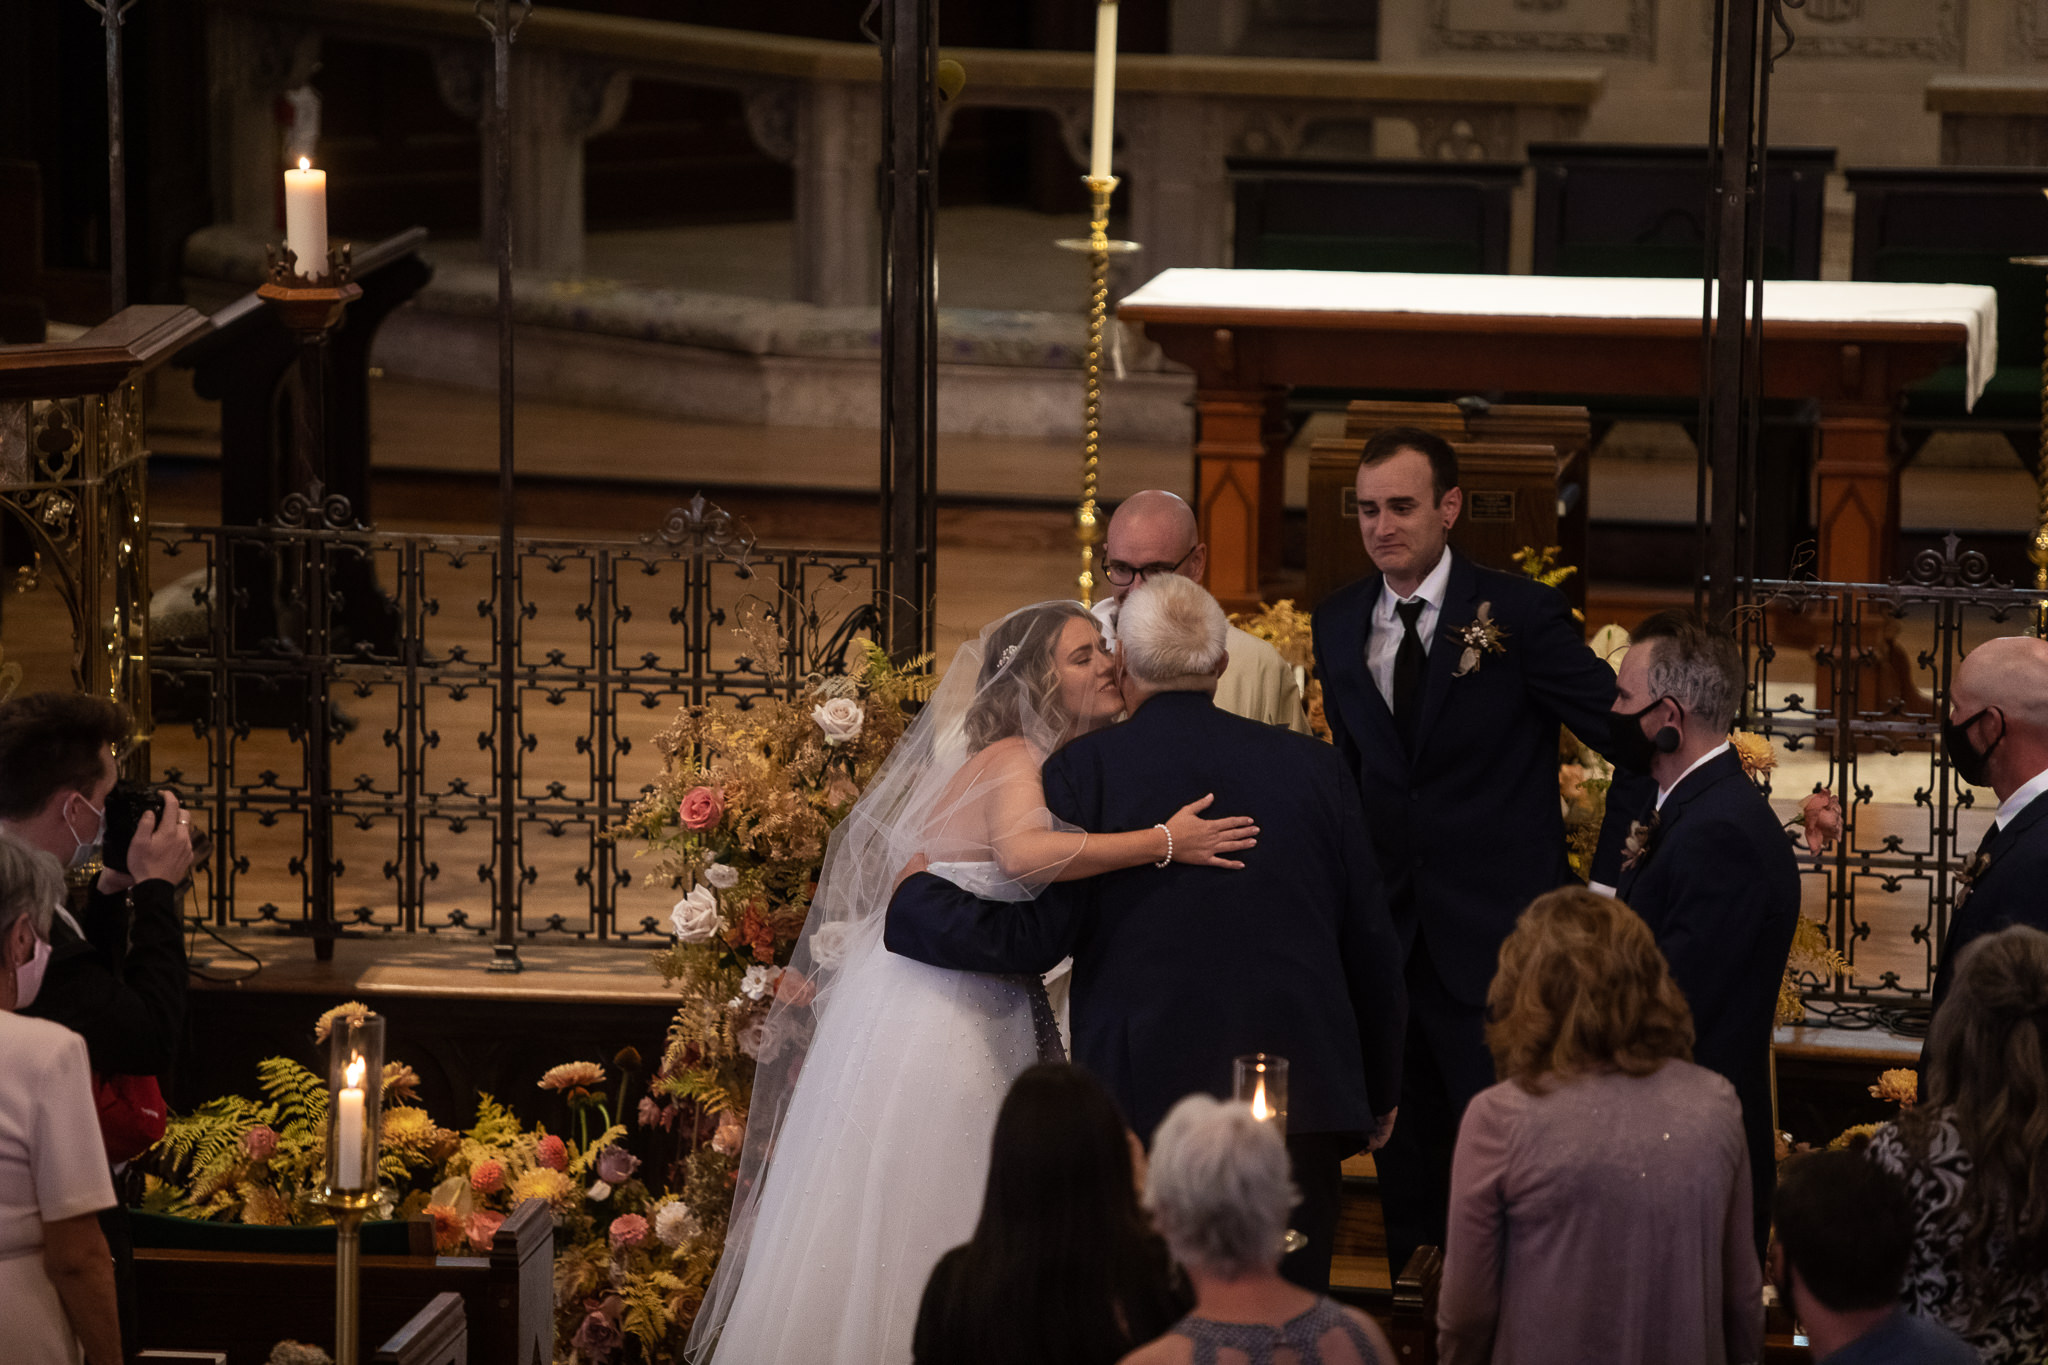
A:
[(436, 1335), (243, 1303)]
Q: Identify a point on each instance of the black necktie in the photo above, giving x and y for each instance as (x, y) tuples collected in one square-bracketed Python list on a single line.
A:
[(1408, 669)]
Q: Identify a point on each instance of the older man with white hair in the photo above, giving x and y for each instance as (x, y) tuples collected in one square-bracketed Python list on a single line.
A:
[(1154, 534), (1179, 969), (1996, 735)]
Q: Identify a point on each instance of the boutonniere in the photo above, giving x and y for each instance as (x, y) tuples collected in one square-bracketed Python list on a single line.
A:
[(1973, 872), (1483, 636), (1637, 846)]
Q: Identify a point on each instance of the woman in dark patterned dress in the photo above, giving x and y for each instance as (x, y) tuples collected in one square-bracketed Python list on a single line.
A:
[(1974, 1153)]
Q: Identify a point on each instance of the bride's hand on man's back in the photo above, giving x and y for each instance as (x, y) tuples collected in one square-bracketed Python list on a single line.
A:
[(1205, 842)]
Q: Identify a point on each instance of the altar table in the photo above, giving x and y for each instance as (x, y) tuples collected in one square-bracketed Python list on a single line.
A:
[(1852, 347)]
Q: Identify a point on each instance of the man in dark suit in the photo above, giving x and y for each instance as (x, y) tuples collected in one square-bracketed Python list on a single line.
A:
[(1178, 969), (1996, 735), (1709, 866), (1445, 684)]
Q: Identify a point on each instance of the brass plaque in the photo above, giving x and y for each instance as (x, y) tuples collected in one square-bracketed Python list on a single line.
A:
[(1490, 504)]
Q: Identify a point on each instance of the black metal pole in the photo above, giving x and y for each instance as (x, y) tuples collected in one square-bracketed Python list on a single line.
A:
[(112, 15), (503, 22), (909, 322), (1725, 440)]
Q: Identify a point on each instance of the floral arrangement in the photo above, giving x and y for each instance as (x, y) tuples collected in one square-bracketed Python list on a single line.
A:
[(1290, 631), (737, 822), (1900, 1086)]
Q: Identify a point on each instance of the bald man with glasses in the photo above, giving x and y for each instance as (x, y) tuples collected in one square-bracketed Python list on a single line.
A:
[(1154, 533)]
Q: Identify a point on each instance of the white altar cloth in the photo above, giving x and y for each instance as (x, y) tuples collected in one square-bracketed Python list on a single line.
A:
[(1975, 306)]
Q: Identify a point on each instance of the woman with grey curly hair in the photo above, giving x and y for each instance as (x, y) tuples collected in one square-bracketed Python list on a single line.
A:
[(56, 1276), (1219, 1190)]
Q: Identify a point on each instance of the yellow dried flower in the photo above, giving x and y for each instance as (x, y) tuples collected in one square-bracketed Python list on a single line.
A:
[(1757, 754), (355, 1011), (1901, 1086), (543, 1182), (263, 1206)]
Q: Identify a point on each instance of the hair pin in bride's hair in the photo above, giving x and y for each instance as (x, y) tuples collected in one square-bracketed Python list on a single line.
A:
[(1009, 653)]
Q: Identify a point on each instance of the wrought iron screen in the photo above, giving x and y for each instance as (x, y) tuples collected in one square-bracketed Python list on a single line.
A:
[(1851, 681), (326, 697)]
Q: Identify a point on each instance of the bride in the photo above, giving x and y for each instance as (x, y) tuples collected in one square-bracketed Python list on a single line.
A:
[(879, 1079)]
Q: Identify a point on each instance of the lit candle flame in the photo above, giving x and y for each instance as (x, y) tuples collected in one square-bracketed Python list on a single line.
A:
[(1260, 1109), (353, 1072), (305, 164)]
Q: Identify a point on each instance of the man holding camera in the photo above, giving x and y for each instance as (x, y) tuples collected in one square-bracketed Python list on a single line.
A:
[(116, 974)]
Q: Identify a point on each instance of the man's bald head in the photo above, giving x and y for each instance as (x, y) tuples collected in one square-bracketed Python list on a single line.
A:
[(1152, 532), (2008, 677)]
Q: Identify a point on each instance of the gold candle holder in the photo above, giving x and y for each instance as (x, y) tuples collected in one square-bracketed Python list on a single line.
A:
[(1100, 246), (355, 1122), (2037, 549)]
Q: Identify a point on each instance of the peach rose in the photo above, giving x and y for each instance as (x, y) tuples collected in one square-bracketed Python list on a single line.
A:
[(1821, 816), (483, 1228)]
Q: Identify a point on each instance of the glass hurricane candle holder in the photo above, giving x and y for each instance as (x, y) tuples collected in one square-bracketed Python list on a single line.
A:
[(1260, 1081), (355, 1110)]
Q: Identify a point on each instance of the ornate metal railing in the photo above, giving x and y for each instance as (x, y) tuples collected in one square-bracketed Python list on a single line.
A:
[(1857, 675), (327, 702)]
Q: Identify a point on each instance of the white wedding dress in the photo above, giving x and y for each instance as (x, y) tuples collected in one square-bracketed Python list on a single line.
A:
[(875, 1098), (881, 1160)]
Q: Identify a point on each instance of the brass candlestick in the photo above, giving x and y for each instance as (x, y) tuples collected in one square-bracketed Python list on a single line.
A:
[(355, 1127), (1100, 247), (349, 1211)]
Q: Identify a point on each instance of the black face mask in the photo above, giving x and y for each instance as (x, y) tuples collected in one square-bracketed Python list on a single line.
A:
[(1632, 748), (1971, 763)]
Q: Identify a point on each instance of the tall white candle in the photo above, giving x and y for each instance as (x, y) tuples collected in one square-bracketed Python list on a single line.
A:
[(1105, 90), (349, 1130), (305, 218)]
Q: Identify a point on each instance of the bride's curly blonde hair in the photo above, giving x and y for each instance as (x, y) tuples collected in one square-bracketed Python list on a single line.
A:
[(1019, 685)]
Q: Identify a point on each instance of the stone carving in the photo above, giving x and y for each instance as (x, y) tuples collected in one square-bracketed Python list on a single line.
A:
[(1617, 28), (771, 120), (1877, 30)]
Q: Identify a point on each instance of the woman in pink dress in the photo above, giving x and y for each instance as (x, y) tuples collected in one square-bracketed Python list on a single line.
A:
[(1600, 1202)]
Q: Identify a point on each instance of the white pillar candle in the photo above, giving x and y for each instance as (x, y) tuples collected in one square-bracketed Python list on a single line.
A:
[(1105, 90), (305, 218), (349, 1130)]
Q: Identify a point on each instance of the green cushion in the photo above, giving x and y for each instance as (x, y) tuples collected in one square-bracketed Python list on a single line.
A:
[(163, 1232), (1650, 260), (2021, 292), (2013, 393)]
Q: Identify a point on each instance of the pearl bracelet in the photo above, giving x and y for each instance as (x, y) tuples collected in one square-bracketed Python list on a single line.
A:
[(1169, 846)]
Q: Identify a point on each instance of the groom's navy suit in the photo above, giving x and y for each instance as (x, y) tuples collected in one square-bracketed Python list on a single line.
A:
[(1718, 884), (1468, 828), (1177, 970)]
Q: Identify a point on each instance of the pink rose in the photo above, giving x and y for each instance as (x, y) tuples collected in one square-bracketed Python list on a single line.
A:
[(651, 1113), (259, 1142), (701, 807), (552, 1153), (1821, 815), (486, 1176), (628, 1230), (598, 1338), (483, 1228)]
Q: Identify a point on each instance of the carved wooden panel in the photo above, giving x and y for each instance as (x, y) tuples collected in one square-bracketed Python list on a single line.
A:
[(2030, 28), (1618, 28)]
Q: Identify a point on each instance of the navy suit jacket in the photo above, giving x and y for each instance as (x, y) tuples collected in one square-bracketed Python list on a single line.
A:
[(1719, 887), (2012, 889), (1468, 829), (1177, 970)]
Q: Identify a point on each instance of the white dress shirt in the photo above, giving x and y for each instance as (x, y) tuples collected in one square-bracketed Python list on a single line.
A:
[(2010, 808), (1385, 640), (1702, 761)]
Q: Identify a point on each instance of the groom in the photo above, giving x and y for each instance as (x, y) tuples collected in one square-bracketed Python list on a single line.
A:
[(1178, 969)]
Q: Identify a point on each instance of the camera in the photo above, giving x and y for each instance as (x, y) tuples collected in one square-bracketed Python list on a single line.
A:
[(127, 803)]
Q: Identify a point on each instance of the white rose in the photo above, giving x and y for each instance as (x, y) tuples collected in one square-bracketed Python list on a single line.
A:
[(695, 916), (721, 876), (759, 982), (829, 943), (674, 1224), (840, 719)]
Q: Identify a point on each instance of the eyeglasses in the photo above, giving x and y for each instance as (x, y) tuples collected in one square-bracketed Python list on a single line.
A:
[(1123, 575)]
